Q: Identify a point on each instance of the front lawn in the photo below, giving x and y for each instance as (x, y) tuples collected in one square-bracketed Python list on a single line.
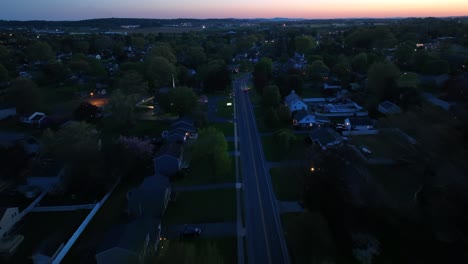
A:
[(273, 151), (287, 182), (224, 110), (308, 238), (226, 127), (200, 174), (399, 182), (383, 145), (205, 250), (192, 207), (148, 128)]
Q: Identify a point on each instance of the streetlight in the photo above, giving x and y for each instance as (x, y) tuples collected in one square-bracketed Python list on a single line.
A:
[(312, 169)]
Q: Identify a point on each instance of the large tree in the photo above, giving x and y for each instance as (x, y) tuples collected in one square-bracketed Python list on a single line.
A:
[(211, 149), (4, 76), (131, 82), (304, 44), (271, 96), (40, 51), (164, 50), (182, 100), (214, 76), (160, 71), (262, 73), (26, 96), (77, 146), (382, 80), (122, 109)]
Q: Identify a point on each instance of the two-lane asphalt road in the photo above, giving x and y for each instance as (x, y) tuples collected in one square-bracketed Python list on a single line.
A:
[(265, 238)]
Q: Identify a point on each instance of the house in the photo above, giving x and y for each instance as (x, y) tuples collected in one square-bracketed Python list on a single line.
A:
[(185, 122), (6, 112), (325, 137), (388, 108), (180, 132), (331, 86), (49, 248), (359, 123), (9, 216), (294, 102), (29, 144), (130, 243), (37, 119), (304, 119), (150, 198), (437, 80), (169, 159)]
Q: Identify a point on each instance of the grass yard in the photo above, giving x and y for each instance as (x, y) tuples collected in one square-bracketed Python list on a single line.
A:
[(225, 111), (226, 127), (311, 92), (202, 207), (205, 250), (287, 183), (231, 145), (199, 175), (383, 145), (399, 182), (308, 238), (273, 152), (38, 227), (148, 128)]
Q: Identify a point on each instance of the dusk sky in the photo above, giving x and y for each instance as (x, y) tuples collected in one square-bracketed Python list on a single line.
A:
[(86, 9)]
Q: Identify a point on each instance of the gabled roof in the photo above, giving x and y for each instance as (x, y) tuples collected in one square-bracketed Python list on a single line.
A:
[(291, 97), (130, 236), (155, 182), (325, 136), (184, 126), (185, 121), (387, 107), (150, 197), (171, 149), (301, 114)]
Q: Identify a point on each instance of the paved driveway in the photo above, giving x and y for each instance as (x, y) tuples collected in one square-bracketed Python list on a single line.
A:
[(208, 230)]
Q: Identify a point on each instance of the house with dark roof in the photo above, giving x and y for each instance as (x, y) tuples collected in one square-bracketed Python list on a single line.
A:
[(294, 102), (6, 112), (169, 159), (182, 121), (388, 108), (359, 123), (130, 243), (303, 119), (150, 198), (325, 137), (180, 133), (9, 216), (49, 248)]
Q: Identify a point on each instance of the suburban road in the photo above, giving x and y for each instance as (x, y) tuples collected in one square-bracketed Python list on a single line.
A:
[(264, 234)]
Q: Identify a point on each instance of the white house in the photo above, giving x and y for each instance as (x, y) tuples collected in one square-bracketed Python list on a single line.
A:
[(8, 218), (294, 102), (304, 119)]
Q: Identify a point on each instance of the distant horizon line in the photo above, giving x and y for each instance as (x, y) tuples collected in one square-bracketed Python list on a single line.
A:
[(234, 18)]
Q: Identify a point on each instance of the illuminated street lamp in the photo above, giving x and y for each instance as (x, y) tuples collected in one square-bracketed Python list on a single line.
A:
[(312, 169)]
